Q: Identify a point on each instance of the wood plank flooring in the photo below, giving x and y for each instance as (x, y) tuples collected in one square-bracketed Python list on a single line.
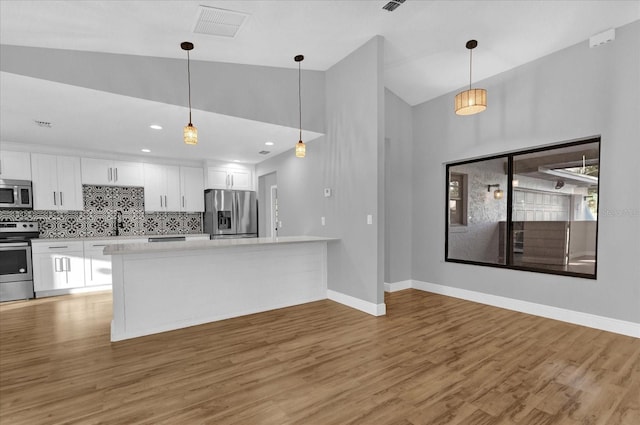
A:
[(431, 360)]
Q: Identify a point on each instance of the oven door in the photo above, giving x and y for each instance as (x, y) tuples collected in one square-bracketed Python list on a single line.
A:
[(15, 262)]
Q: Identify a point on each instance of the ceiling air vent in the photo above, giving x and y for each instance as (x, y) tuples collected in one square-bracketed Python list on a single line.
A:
[(45, 124), (220, 22), (393, 5), (264, 152)]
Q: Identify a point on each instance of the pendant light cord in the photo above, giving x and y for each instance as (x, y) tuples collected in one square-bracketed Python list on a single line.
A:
[(470, 62), (189, 83), (300, 100)]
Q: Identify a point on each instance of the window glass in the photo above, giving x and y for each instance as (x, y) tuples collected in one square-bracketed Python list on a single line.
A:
[(552, 224), (480, 208)]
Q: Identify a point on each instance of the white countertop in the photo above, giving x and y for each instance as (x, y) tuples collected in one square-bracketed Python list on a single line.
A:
[(115, 238), (144, 248)]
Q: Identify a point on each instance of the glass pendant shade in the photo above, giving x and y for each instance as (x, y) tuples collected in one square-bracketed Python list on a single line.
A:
[(301, 149), (471, 101), (190, 134)]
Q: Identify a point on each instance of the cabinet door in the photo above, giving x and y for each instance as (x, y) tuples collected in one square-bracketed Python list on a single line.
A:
[(155, 185), (60, 270), (96, 171), (128, 173), (241, 180), (97, 266), (217, 178), (45, 182), (192, 189), (15, 165), (172, 191), (69, 183)]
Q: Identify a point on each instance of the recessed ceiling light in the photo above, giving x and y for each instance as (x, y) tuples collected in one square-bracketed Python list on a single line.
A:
[(146, 150), (235, 160), (269, 143), (156, 126)]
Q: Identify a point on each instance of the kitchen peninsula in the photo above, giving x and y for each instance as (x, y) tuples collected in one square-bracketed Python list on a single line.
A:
[(171, 285)]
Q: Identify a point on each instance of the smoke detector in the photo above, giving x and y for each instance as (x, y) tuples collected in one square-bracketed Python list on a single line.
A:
[(219, 22)]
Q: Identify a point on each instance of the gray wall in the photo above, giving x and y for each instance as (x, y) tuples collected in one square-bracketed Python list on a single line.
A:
[(264, 203), (257, 93), (398, 184), (348, 160), (574, 93), (354, 170)]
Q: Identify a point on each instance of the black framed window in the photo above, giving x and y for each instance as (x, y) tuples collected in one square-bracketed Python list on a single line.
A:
[(534, 210)]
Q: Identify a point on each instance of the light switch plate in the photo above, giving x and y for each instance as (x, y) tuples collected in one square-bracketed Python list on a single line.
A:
[(327, 192), (322, 220), (369, 219)]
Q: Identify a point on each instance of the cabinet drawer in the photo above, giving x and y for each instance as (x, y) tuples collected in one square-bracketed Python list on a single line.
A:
[(62, 246)]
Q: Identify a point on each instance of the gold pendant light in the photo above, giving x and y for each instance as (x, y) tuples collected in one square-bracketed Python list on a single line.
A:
[(301, 148), (190, 132), (471, 101)]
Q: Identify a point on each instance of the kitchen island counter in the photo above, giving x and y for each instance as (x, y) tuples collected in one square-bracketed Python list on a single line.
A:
[(164, 286), (143, 248)]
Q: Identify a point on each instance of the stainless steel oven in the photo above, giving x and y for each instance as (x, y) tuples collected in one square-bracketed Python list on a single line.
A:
[(16, 273), (15, 194)]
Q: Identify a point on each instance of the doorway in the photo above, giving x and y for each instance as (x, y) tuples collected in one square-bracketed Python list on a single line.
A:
[(267, 205)]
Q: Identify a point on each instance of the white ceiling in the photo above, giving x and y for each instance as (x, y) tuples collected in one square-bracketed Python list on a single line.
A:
[(425, 55)]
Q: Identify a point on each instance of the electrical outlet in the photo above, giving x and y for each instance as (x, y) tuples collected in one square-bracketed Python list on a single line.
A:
[(327, 192), (369, 219), (322, 220)]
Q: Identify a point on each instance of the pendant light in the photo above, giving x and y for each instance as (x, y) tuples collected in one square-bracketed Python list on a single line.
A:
[(471, 101), (190, 132), (301, 149)]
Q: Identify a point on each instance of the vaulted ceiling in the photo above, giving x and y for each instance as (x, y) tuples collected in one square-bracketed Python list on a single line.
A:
[(425, 55)]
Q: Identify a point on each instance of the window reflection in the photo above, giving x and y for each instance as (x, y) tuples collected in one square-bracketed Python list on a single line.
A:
[(553, 193)]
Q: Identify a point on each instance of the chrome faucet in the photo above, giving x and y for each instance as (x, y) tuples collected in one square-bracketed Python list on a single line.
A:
[(119, 222)]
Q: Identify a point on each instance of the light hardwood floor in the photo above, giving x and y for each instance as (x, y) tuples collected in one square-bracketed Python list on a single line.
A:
[(431, 360)]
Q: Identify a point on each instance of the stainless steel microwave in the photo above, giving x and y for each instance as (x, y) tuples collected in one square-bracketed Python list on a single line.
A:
[(15, 194)]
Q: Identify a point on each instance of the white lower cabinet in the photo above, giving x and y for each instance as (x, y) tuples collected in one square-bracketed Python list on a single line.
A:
[(58, 266), (65, 266), (97, 266)]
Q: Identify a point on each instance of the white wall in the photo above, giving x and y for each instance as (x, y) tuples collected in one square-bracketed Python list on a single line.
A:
[(257, 93), (574, 93)]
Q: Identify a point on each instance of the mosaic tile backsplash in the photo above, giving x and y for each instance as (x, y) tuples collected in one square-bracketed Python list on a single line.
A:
[(101, 204)]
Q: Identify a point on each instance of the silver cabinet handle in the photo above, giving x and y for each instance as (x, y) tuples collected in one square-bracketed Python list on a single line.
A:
[(165, 201), (109, 174), (68, 261), (231, 180), (160, 201), (61, 203), (57, 261), (182, 201), (116, 174), (227, 180), (58, 247), (54, 199)]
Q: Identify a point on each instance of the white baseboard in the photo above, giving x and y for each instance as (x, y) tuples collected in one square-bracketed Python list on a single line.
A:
[(397, 286), (576, 317), (357, 303)]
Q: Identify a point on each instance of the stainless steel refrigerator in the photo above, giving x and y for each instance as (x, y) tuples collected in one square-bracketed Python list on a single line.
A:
[(230, 214)]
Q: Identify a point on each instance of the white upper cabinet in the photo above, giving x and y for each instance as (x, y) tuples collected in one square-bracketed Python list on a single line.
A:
[(233, 178), (191, 189), (56, 182), (106, 172), (15, 165), (161, 187)]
